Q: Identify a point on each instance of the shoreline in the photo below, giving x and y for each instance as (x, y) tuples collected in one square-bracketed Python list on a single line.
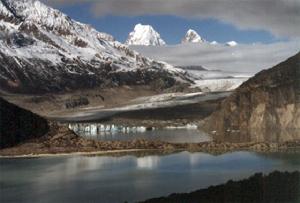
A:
[(190, 148), (61, 141), (71, 154)]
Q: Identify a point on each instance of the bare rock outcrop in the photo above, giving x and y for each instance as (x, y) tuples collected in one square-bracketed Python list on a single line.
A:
[(264, 108)]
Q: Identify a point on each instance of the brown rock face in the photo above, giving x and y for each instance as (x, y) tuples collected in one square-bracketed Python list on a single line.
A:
[(17, 125), (264, 108)]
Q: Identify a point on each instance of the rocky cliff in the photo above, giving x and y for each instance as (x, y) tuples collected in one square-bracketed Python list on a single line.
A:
[(17, 125), (264, 108)]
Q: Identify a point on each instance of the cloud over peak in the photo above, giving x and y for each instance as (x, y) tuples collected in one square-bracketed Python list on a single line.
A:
[(280, 17)]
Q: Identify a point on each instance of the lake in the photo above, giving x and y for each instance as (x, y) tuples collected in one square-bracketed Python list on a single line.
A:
[(130, 177)]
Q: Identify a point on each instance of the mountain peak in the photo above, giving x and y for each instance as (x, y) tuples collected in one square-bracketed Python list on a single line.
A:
[(231, 43), (192, 36), (144, 35), (27, 8)]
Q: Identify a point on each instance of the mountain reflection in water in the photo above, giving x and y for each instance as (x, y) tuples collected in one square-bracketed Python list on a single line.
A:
[(132, 177), (259, 135)]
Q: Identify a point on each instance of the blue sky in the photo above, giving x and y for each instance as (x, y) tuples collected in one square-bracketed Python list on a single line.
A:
[(255, 21)]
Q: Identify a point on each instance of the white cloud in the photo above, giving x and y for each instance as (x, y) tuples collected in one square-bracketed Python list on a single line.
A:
[(242, 58), (280, 17)]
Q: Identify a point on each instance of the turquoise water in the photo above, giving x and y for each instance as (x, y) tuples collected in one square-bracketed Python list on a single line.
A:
[(129, 177)]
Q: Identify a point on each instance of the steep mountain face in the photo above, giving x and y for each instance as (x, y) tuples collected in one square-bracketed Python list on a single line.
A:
[(192, 36), (144, 35), (17, 125), (264, 108), (43, 50)]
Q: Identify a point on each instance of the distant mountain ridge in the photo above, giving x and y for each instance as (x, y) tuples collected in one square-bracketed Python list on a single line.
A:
[(197, 68), (146, 35)]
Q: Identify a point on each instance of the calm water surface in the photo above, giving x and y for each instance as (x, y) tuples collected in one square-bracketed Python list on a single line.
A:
[(129, 177)]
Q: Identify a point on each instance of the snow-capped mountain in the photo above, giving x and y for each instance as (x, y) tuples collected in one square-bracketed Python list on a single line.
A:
[(231, 43), (214, 43), (192, 36), (43, 50), (144, 35)]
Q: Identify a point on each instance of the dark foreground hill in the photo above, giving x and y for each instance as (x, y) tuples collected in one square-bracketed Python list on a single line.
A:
[(17, 125), (275, 187)]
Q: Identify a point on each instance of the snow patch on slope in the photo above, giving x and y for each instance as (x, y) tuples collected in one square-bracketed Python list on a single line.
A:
[(41, 43), (62, 36), (215, 81), (216, 85)]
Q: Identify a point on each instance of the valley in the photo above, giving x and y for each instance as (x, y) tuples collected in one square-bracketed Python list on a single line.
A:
[(87, 78), (182, 107)]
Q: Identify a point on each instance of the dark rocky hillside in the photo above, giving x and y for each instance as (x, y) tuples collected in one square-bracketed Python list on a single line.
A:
[(18, 125), (275, 187), (263, 108)]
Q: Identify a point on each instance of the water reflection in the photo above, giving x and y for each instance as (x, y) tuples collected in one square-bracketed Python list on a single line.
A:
[(150, 162), (259, 135), (100, 178)]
